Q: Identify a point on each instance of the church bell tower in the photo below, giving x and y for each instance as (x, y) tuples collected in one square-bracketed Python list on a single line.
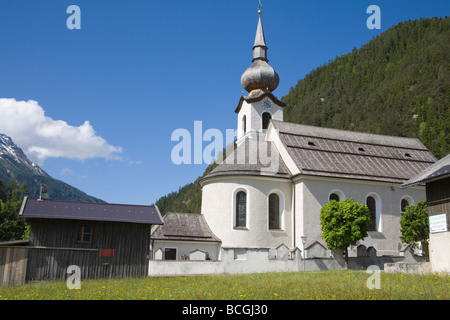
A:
[(259, 80)]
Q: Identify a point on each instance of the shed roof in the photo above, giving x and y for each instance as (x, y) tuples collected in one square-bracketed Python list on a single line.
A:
[(348, 154), (438, 170), (58, 209), (184, 226)]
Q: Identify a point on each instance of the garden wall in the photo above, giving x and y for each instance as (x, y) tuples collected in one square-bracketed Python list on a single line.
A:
[(251, 260)]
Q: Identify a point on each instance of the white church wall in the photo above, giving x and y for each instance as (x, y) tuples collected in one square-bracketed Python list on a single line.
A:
[(218, 207), (313, 192)]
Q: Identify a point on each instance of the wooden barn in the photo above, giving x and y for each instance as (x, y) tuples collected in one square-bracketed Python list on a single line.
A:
[(103, 240), (437, 183)]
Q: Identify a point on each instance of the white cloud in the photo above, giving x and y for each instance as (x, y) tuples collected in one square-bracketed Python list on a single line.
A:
[(41, 137)]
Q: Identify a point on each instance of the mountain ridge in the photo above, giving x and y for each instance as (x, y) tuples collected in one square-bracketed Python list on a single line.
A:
[(14, 164)]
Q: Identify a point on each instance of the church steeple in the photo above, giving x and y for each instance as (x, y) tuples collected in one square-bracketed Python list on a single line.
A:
[(260, 47), (257, 109), (260, 76)]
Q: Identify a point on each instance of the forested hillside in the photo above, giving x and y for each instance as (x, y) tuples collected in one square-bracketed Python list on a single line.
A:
[(397, 84)]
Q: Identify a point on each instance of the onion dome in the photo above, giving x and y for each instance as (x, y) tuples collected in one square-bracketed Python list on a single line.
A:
[(260, 76)]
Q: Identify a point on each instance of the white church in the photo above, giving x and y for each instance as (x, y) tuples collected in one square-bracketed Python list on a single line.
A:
[(269, 192)]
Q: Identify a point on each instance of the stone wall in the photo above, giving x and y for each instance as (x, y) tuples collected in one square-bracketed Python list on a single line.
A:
[(281, 259)]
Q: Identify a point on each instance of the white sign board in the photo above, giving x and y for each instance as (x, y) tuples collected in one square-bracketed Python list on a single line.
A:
[(438, 223)]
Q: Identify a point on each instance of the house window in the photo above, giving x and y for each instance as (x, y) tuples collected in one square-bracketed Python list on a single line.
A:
[(403, 205), (371, 204), (334, 196), (170, 254), (265, 119), (241, 209), (274, 211), (84, 233)]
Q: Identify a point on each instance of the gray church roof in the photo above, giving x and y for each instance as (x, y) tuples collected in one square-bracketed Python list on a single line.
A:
[(347, 154), (184, 226), (438, 170), (325, 152), (245, 160)]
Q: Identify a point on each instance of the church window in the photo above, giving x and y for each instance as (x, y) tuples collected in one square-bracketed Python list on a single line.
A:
[(244, 124), (274, 211), (371, 204), (404, 204), (265, 120), (335, 196), (241, 209)]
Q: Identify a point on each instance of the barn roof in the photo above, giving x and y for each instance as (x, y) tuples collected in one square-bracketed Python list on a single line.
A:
[(58, 209), (184, 226), (438, 170)]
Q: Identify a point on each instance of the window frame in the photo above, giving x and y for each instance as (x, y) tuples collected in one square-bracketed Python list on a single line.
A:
[(281, 210), (81, 233), (235, 209), (265, 121), (377, 226), (277, 214), (409, 199), (170, 248)]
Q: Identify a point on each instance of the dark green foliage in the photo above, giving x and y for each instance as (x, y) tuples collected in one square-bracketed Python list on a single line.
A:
[(414, 224), (343, 223), (12, 227), (187, 199), (397, 84)]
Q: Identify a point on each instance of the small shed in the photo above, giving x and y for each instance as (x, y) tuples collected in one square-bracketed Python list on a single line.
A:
[(103, 240), (180, 235), (437, 184)]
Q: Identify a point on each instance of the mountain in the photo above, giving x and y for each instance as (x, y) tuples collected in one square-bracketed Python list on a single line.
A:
[(397, 84), (15, 164)]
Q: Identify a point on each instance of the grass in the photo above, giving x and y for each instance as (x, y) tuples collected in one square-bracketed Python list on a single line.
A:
[(324, 285)]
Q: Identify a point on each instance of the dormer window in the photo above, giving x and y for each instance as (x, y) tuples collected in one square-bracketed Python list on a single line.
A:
[(310, 143), (361, 149)]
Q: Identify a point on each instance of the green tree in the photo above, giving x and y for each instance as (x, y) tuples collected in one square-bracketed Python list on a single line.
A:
[(343, 223), (12, 227), (415, 226)]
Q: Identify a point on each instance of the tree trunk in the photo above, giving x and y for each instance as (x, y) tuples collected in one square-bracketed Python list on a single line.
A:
[(425, 250), (346, 258)]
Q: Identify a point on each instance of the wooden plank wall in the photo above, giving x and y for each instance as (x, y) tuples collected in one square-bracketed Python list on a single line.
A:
[(438, 197), (13, 265), (54, 248)]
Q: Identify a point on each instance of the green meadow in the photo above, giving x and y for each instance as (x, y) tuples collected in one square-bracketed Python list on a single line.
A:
[(324, 285)]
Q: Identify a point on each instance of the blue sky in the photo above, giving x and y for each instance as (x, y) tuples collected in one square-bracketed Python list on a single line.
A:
[(96, 107)]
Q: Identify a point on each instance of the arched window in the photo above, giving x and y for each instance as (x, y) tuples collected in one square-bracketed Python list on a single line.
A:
[(334, 196), (265, 119), (274, 211), (241, 209), (244, 124), (403, 205), (371, 204)]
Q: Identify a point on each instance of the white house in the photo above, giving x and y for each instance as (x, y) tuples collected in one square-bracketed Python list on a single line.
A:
[(270, 190)]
